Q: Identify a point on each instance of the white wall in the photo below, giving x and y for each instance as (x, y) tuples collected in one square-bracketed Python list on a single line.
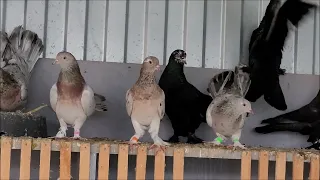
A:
[(215, 33)]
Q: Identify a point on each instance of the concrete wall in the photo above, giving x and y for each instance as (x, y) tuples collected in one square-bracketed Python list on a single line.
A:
[(113, 79), (215, 33)]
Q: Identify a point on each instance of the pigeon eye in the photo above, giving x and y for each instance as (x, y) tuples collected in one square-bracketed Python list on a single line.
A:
[(150, 62), (244, 104), (64, 58)]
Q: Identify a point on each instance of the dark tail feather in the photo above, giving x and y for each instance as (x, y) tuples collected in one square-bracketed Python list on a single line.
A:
[(303, 128), (255, 91), (275, 98), (297, 9)]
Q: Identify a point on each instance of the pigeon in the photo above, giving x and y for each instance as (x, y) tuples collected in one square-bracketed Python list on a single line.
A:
[(265, 50), (71, 98), (145, 104), (185, 105), (19, 53), (227, 112), (305, 120)]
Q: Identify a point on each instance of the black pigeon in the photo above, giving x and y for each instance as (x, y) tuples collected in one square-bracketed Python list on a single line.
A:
[(185, 105), (265, 50), (305, 120)]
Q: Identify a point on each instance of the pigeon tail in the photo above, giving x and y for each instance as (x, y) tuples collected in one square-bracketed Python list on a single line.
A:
[(99, 99), (275, 97), (27, 46), (220, 82)]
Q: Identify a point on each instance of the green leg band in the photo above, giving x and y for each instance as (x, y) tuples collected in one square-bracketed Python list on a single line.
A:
[(219, 139), (235, 140)]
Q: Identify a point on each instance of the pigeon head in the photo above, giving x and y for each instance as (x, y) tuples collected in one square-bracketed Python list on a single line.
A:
[(65, 60), (179, 56), (244, 106), (150, 64)]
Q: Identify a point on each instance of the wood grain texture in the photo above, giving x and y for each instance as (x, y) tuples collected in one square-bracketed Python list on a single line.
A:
[(246, 165), (65, 160), (104, 156), (141, 165), (281, 160), (25, 159), (263, 165), (45, 156), (84, 166), (159, 165), (6, 144), (123, 162), (178, 164), (297, 166), (314, 168)]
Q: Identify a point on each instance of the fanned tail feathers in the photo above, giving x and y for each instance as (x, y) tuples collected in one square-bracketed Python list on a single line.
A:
[(242, 81), (100, 106), (220, 82), (236, 80), (27, 46)]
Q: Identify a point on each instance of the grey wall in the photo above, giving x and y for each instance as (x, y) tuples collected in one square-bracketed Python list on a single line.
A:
[(113, 79)]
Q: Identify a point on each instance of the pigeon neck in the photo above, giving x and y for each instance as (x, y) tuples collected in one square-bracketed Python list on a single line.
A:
[(71, 75), (146, 78)]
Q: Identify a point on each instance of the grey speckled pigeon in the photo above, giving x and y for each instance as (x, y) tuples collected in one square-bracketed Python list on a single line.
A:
[(19, 53), (227, 112), (145, 103), (71, 98)]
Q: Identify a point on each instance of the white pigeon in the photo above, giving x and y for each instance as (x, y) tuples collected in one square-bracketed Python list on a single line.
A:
[(145, 104), (227, 112), (71, 98), (19, 53)]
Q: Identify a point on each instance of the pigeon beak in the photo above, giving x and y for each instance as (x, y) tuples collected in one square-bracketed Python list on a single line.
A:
[(158, 67), (251, 112), (55, 62)]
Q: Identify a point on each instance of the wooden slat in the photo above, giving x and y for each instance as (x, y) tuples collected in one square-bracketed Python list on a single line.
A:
[(297, 166), (281, 160), (84, 166), (314, 168), (104, 155), (6, 144), (123, 162), (25, 159), (159, 165), (246, 165), (141, 163), (45, 155), (65, 160), (178, 163), (263, 165)]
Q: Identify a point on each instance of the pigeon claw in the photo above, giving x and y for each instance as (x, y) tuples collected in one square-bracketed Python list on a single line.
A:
[(238, 144), (133, 142), (158, 148)]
